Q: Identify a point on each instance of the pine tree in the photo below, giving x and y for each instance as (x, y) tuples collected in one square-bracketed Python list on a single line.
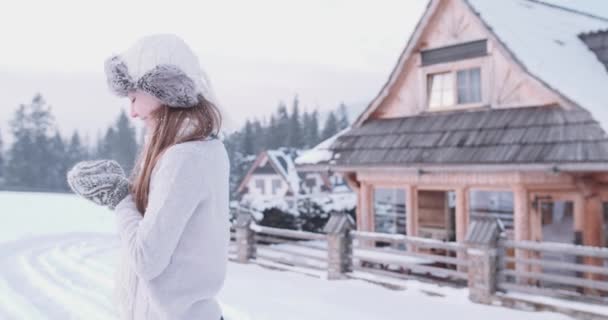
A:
[(295, 137), (331, 126), (282, 129), (124, 148), (76, 150), (343, 121), (305, 128), (247, 143), (258, 133), (57, 162), (29, 155), (313, 129), (272, 132)]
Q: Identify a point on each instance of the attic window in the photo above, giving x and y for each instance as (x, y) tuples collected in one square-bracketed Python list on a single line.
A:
[(457, 87), (441, 89), (469, 85)]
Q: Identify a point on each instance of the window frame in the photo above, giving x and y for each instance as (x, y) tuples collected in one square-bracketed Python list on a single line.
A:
[(453, 67), (373, 209)]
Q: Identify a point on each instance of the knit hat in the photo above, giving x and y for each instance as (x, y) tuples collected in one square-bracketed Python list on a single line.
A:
[(164, 66)]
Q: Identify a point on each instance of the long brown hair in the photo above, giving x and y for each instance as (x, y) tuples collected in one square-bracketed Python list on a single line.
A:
[(168, 123)]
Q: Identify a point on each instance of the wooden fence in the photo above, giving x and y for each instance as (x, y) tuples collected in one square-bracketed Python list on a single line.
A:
[(290, 247), (407, 256), (543, 269), (553, 269)]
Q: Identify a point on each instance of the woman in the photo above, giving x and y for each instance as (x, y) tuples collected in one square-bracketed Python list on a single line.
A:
[(172, 213)]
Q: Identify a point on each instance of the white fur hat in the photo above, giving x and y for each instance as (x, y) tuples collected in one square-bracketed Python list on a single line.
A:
[(164, 66)]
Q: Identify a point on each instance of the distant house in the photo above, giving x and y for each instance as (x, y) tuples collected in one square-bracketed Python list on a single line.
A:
[(309, 162), (493, 108), (273, 174)]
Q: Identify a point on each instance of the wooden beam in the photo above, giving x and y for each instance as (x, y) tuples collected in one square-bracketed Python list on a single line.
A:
[(521, 225), (462, 213), (521, 218), (412, 210)]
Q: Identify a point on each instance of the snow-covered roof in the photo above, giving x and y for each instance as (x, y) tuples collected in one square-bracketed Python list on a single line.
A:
[(545, 40), (321, 153), (284, 164)]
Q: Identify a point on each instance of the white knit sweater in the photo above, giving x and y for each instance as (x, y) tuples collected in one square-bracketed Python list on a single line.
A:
[(173, 260)]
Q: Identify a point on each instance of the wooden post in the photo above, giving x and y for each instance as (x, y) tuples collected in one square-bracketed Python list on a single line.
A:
[(339, 245), (411, 211), (462, 214), (521, 224), (245, 237), (462, 217), (367, 220), (592, 235)]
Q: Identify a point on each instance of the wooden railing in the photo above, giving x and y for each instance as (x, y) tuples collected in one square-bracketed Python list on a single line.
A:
[(409, 256), (290, 247), (553, 269), (539, 268)]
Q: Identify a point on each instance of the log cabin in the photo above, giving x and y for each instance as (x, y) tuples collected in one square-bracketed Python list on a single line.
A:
[(493, 108)]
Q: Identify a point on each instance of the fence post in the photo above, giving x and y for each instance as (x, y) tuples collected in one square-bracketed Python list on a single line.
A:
[(482, 253), (339, 244), (245, 237)]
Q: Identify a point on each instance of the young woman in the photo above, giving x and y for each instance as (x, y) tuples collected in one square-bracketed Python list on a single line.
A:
[(172, 212)]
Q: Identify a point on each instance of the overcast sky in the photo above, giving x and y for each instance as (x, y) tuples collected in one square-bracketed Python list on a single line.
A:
[(256, 52)]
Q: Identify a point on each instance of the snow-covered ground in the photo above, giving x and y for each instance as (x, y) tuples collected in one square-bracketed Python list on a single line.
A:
[(58, 255)]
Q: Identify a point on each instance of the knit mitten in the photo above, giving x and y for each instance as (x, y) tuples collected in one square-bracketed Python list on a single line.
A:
[(101, 181)]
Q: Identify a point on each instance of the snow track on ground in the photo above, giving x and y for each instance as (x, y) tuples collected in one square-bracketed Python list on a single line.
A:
[(67, 276)]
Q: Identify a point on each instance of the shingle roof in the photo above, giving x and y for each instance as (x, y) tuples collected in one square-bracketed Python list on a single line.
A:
[(527, 135)]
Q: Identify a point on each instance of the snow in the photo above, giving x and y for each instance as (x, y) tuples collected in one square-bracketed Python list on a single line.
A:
[(58, 254), (321, 152), (560, 303), (328, 202), (291, 175), (545, 40)]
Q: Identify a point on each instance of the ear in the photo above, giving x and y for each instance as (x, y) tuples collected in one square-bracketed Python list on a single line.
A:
[(117, 76), (170, 85)]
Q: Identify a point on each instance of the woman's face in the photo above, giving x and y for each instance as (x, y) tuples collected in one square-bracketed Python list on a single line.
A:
[(142, 104)]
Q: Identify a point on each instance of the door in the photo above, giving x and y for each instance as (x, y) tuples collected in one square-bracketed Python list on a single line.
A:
[(555, 220)]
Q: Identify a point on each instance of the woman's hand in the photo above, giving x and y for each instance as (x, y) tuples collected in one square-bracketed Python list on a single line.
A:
[(101, 181)]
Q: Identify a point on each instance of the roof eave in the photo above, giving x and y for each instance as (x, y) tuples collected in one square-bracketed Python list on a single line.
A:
[(507, 167)]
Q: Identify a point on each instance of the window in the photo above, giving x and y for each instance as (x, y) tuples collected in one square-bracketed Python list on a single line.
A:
[(441, 90), (259, 183), (495, 203), (446, 89), (389, 210), (469, 85), (276, 184)]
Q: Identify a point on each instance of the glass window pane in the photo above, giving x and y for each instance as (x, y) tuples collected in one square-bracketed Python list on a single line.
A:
[(469, 85), (496, 203), (389, 210), (440, 89)]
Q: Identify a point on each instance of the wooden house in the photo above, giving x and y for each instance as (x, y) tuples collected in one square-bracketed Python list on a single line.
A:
[(493, 108), (273, 174)]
